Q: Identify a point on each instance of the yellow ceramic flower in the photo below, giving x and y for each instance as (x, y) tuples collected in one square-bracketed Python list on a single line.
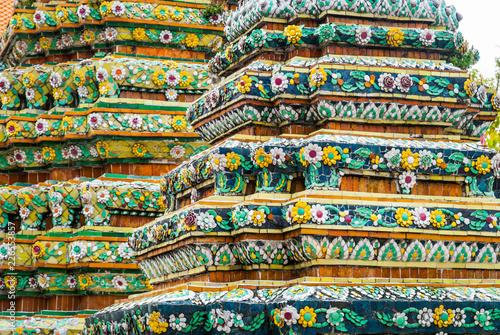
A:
[(244, 84), (61, 15), (49, 154), (162, 12), (156, 324), (277, 319), (15, 22), (102, 148), (19, 331), (37, 250), (331, 156), (317, 77), (28, 79), (185, 79), (103, 89), (170, 64), (105, 8), (179, 123), (84, 281), (148, 285), (438, 219), (88, 36), (79, 78), (139, 34), (404, 217), (45, 43), (307, 317), (301, 212), (10, 282), (159, 77), (302, 157), (262, 159), (482, 164), (293, 33), (469, 83), (233, 161), (409, 160), (395, 37), (13, 128), (67, 123), (258, 217), (5, 99), (57, 93), (192, 40), (177, 14), (443, 317), (139, 150)]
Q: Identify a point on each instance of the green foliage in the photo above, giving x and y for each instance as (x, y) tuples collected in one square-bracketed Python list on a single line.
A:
[(212, 10)]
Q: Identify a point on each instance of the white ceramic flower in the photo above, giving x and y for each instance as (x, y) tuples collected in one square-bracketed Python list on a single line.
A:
[(110, 34), (404, 82), (55, 79), (134, 121), (313, 153), (172, 78), (425, 317), (66, 40), (30, 93), (103, 196), (119, 283), (39, 17), (363, 35), (95, 120), (289, 315), (407, 180), (101, 74), (118, 72), (88, 210), (177, 322), (205, 221), (171, 94), (41, 126), (20, 156), (482, 94), (75, 152), (223, 320), (426, 159), (427, 37), (218, 162), (279, 82), (278, 156), (83, 11), (4, 84), (124, 251), (78, 251), (319, 214), (83, 91), (117, 8), (24, 212), (386, 82), (421, 217), (166, 37), (43, 281), (177, 151), (393, 158), (57, 211)]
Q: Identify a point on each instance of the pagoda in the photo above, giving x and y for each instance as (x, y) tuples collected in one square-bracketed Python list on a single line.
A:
[(347, 189), (93, 103)]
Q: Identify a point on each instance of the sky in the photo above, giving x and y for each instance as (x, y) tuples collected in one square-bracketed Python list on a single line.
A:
[(481, 26)]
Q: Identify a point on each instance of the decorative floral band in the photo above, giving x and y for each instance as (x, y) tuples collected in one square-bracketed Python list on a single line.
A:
[(322, 157), (330, 34), (298, 251), (323, 79), (327, 110), (98, 122), (249, 12), (278, 217), (65, 202), (79, 283), (28, 24), (304, 309), (32, 157), (65, 253), (68, 85), (25, 325)]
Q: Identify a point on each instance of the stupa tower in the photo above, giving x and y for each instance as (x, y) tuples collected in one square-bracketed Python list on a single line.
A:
[(345, 191), (93, 103)]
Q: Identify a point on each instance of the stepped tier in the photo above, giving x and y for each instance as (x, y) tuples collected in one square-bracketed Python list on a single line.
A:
[(307, 308), (64, 31)]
